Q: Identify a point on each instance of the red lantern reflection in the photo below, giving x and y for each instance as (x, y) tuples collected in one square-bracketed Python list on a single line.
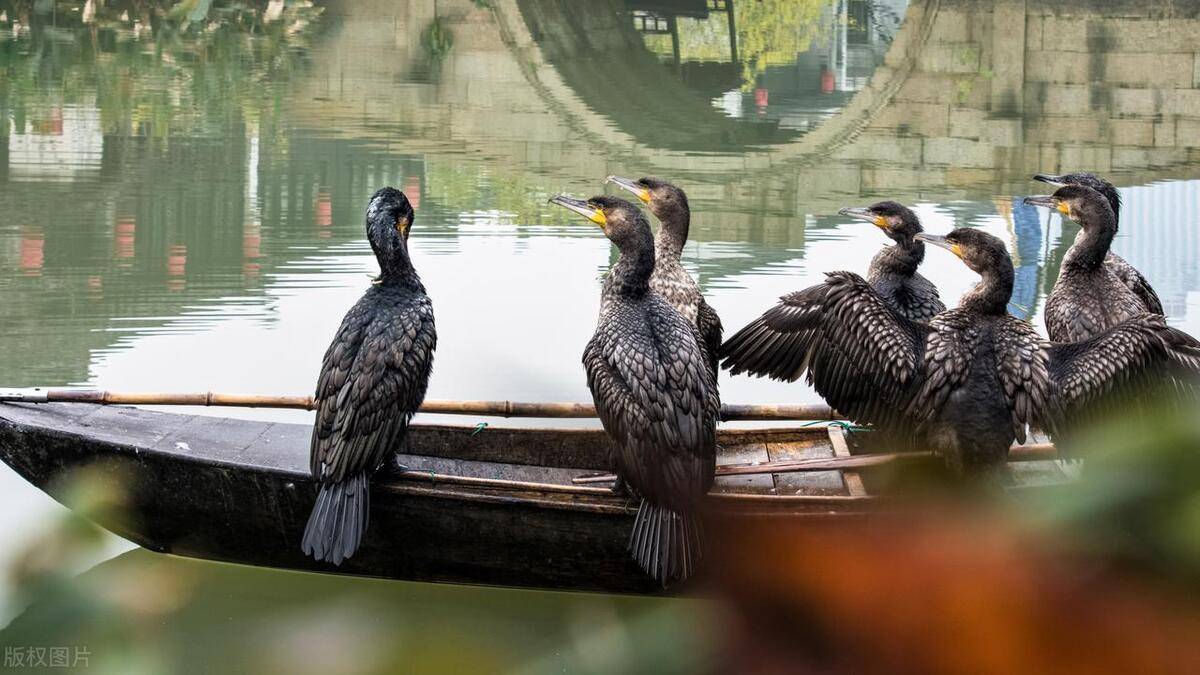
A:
[(123, 239), (324, 214), (176, 267), (412, 190), (251, 249), (33, 251)]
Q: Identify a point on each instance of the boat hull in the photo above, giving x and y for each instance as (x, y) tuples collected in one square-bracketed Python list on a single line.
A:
[(239, 491)]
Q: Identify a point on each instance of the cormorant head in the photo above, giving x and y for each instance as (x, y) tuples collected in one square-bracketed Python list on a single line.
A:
[(389, 217), (979, 250), (1080, 203), (621, 221), (1087, 180), (667, 202), (896, 220)]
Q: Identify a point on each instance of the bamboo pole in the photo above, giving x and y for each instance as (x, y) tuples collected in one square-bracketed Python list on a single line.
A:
[(1017, 453), (518, 485), (482, 408)]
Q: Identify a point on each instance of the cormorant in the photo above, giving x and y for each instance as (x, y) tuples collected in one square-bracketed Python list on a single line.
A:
[(971, 380), (654, 394), (768, 347), (1088, 297), (670, 205), (1128, 274), (893, 271), (373, 379)]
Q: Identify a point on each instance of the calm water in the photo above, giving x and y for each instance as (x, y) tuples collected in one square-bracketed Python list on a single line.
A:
[(181, 187)]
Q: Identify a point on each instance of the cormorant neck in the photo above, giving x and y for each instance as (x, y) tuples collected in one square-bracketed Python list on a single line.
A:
[(992, 293), (630, 276), (673, 233), (396, 268), (1091, 246), (901, 259)]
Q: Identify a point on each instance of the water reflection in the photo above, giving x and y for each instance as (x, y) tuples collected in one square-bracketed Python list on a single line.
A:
[(792, 63), (181, 184), (161, 191)]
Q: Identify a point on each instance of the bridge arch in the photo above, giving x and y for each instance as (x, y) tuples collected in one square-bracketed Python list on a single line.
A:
[(585, 118)]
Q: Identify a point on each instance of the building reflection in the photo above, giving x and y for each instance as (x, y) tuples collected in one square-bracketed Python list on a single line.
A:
[(795, 73)]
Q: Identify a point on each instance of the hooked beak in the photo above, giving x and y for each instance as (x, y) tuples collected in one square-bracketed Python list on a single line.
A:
[(402, 224), (941, 242), (630, 185), (1050, 202), (1056, 181), (1047, 201), (859, 213), (583, 208)]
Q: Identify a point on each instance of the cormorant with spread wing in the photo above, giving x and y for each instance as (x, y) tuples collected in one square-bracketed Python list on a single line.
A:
[(372, 381), (654, 394), (1089, 297), (670, 205), (972, 380), (767, 347), (1128, 274)]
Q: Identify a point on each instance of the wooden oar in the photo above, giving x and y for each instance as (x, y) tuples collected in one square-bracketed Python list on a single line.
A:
[(482, 408), (1017, 453)]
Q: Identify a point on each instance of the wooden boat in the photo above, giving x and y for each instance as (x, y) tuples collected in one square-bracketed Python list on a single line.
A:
[(515, 507)]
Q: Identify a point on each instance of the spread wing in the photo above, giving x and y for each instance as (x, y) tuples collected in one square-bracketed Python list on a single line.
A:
[(860, 354), (1108, 372), (775, 344), (1132, 278), (373, 379), (709, 325), (655, 396)]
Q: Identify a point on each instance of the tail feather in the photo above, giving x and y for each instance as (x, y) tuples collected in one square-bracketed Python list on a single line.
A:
[(666, 544), (339, 518)]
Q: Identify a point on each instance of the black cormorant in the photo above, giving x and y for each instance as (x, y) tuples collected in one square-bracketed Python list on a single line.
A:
[(670, 205), (768, 347), (1128, 274), (1088, 297), (372, 380), (893, 271), (654, 394), (970, 381)]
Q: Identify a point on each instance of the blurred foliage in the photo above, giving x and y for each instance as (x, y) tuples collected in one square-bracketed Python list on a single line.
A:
[(1139, 500), (1097, 575)]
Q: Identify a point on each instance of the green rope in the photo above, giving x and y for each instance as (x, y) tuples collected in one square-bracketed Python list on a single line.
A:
[(844, 425)]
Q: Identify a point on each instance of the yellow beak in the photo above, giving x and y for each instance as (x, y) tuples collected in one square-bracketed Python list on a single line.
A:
[(941, 242), (585, 209)]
